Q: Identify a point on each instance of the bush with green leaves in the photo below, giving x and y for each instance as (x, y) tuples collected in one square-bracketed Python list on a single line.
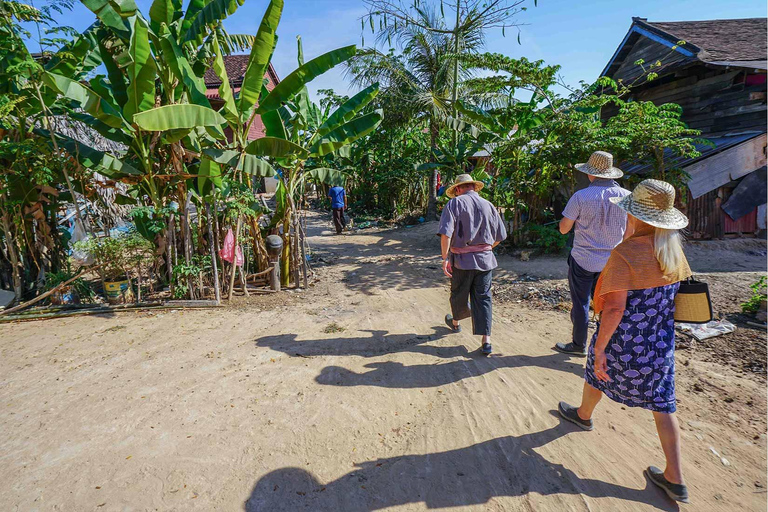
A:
[(79, 285), (118, 256), (758, 295), (547, 238)]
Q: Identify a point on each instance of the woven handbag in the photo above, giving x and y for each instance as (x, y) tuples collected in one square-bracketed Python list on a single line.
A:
[(693, 304)]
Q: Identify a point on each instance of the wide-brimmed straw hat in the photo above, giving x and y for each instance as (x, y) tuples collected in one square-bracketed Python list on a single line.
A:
[(463, 179), (600, 164), (653, 202)]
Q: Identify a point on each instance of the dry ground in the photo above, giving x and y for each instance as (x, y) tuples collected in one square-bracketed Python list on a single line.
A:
[(353, 396)]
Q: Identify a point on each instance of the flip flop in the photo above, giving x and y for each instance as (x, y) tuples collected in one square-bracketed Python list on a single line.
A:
[(677, 492), (449, 323)]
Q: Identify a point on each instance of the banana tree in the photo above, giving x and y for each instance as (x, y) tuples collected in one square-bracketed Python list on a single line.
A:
[(310, 134), (152, 100)]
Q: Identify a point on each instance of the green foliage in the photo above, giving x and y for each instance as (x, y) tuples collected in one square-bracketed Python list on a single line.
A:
[(758, 296), (150, 221), (119, 255), (183, 272), (547, 238), (79, 285)]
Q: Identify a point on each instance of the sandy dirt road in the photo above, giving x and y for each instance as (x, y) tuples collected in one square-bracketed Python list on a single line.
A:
[(351, 396)]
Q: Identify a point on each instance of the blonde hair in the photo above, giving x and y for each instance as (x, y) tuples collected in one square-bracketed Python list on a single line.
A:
[(668, 247)]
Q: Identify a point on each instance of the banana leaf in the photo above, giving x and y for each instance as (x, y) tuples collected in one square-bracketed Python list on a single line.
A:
[(177, 117), (115, 74), (261, 53), (480, 117), (347, 133), (88, 100), (463, 127), (91, 158), (141, 71), (179, 65), (208, 176), (276, 148), (229, 110), (69, 60), (164, 11), (108, 132), (246, 163), (348, 110), (109, 16), (332, 177), (213, 12), (291, 85)]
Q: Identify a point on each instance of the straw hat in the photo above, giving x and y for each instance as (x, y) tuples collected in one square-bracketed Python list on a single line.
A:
[(463, 179), (653, 202), (600, 164)]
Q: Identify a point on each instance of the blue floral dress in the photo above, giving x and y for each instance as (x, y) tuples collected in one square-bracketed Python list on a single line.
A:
[(641, 353)]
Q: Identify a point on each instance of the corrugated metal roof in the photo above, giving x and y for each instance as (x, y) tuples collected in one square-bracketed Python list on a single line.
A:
[(720, 144)]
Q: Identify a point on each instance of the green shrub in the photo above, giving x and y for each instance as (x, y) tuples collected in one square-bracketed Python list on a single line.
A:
[(547, 238), (758, 295)]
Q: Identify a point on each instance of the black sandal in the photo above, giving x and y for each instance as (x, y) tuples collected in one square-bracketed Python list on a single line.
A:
[(449, 323)]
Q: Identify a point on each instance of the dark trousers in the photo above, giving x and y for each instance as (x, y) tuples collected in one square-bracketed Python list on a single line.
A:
[(338, 219), (471, 297), (582, 284)]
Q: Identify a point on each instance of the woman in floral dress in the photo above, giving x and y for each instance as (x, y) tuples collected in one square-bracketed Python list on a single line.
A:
[(632, 356)]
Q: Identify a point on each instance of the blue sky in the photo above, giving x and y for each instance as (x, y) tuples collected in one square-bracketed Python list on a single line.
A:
[(581, 35)]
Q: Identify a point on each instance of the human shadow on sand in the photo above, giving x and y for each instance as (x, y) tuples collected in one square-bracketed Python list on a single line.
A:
[(506, 466), (391, 374), (378, 343)]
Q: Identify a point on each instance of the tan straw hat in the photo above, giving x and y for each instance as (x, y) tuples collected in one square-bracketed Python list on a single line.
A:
[(653, 202), (463, 179), (600, 164)]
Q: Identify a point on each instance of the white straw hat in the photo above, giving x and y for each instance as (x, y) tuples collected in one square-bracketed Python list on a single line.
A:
[(463, 179), (653, 202), (600, 164)]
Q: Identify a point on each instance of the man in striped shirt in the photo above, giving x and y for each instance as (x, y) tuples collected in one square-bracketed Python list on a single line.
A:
[(598, 226)]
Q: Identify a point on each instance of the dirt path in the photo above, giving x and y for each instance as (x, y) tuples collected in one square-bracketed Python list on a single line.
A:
[(351, 396)]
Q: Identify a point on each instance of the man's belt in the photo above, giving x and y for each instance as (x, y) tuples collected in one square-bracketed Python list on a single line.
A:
[(471, 249)]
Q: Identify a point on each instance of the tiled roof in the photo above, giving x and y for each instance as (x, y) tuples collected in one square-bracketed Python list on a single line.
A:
[(235, 66), (721, 40)]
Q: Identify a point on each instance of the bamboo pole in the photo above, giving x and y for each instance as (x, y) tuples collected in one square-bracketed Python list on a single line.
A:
[(211, 245), (171, 248), (48, 293)]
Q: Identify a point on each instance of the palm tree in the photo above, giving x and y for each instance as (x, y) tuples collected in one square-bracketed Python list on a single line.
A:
[(421, 78)]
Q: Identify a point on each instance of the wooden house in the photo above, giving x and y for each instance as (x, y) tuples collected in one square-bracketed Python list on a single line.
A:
[(716, 71), (236, 66)]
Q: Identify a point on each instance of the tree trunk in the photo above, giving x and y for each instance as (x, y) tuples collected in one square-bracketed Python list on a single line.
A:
[(434, 134), (285, 261), (17, 288), (212, 246)]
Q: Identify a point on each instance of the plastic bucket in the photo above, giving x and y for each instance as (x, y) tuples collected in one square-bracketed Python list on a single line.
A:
[(118, 292)]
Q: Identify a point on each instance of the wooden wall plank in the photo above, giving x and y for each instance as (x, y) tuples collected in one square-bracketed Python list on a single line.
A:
[(724, 167)]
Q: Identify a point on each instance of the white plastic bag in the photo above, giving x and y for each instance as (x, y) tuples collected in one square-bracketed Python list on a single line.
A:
[(80, 257), (708, 330)]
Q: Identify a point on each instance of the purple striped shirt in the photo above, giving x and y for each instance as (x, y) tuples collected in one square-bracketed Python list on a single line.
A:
[(599, 225)]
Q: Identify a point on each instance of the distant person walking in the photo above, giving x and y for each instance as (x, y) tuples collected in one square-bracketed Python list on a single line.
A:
[(338, 197), (470, 227), (632, 355), (598, 226)]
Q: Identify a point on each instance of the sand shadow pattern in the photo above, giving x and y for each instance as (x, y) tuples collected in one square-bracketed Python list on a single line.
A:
[(390, 374), (505, 466), (379, 342)]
